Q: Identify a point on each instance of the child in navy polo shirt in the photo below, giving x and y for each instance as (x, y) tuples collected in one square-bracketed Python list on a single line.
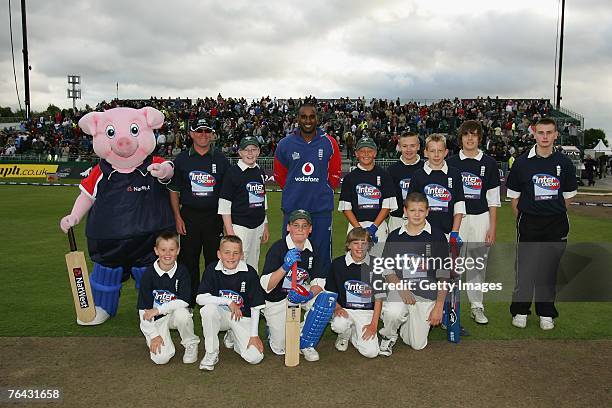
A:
[(480, 178), (243, 202), (231, 300), (276, 278), (359, 301), (417, 300), (401, 172), (442, 186), (163, 301), (367, 194)]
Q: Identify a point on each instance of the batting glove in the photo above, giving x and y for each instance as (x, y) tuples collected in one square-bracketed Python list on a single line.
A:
[(299, 295), (372, 230), (455, 239), (292, 256)]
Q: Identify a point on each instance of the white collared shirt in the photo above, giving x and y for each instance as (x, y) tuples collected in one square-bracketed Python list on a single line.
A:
[(243, 166), (478, 157), (242, 267), (428, 169), (348, 259), (291, 245), (418, 159), (426, 228), (161, 272)]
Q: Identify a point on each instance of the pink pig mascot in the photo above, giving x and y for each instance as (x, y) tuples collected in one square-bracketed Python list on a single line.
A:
[(127, 201)]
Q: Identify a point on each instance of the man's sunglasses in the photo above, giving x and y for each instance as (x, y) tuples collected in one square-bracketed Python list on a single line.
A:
[(203, 130)]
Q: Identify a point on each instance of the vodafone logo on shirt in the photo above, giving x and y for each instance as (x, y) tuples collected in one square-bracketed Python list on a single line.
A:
[(307, 170)]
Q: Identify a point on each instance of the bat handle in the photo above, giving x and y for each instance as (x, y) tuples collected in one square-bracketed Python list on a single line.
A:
[(71, 239), (294, 275)]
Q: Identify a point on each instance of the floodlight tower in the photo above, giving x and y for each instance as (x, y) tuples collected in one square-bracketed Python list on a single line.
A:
[(74, 93)]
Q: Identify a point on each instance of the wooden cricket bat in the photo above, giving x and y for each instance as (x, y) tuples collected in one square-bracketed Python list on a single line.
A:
[(79, 282), (292, 327)]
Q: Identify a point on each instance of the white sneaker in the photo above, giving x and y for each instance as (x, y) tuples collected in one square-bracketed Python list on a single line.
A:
[(209, 361), (386, 346), (478, 315), (228, 340), (547, 323), (519, 321), (191, 353), (310, 354), (342, 343)]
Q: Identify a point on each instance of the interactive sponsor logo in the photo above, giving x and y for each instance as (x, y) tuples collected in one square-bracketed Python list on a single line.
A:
[(471, 181), (233, 296), (256, 188), (302, 275), (201, 178), (368, 191), (438, 192), (546, 181), (163, 296), (358, 288)]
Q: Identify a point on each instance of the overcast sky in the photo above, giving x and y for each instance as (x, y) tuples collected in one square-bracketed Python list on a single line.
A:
[(414, 49)]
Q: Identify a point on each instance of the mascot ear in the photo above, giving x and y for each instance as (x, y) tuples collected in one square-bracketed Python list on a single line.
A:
[(89, 123), (155, 119)]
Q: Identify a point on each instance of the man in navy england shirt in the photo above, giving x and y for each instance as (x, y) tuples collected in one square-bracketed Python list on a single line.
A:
[(541, 185), (243, 202), (401, 172), (307, 166), (442, 186), (480, 178), (194, 197)]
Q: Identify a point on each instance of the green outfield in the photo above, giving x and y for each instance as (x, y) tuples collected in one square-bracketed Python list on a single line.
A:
[(37, 299)]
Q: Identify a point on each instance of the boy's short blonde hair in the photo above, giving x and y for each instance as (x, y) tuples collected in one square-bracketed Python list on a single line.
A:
[(232, 239), (416, 197), (435, 137), (168, 236), (357, 234)]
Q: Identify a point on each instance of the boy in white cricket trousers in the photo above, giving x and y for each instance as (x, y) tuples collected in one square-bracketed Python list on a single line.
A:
[(231, 300), (276, 278), (480, 178), (163, 302), (243, 202), (359, 303), (417, 287)]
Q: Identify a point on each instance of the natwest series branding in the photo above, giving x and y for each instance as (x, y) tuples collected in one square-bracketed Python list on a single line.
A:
[(307, 170), (138, 188), (80, 288)]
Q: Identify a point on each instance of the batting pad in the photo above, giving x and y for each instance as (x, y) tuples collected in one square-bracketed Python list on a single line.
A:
[(319, 315), (137, 273), (106, 287)]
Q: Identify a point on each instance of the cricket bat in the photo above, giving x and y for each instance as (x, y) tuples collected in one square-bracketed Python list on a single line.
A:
[(292, 327), (453, 303), (79, 282)]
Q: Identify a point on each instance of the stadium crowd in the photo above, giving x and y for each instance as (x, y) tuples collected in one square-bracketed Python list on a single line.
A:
[(505, 123)]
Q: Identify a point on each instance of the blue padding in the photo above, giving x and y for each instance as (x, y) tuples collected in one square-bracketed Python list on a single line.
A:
[(106, 287), (137, 273), (317, 319)]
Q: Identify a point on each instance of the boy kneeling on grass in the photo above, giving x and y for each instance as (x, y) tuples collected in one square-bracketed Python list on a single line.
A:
[(163, 302), (419, 301), (231, 300)]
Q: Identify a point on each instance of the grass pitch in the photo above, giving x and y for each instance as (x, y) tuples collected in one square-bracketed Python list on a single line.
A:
[(37, 299)]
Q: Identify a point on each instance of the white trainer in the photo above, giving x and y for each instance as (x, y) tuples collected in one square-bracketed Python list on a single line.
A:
[(310, 354), (478, 315), (386, 346), (342, 342), (209, 361), (228, 340), (519, 321), (191, 353), (547, 323)]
